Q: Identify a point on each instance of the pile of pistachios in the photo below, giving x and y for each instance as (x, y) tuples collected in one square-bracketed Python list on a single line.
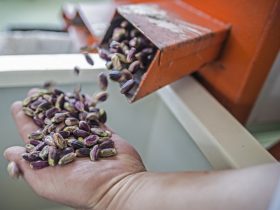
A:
[(128, 55), (70, 126)]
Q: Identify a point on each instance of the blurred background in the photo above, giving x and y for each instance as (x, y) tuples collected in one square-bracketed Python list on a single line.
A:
[(33, 13), (34, 27)]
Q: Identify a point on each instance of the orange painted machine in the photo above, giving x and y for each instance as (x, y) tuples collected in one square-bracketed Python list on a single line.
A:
[(233, 71)]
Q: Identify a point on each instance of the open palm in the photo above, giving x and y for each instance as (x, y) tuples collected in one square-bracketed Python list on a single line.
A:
[(82, 184)]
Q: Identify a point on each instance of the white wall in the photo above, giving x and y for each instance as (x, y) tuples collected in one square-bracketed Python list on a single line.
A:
[(266, 109)]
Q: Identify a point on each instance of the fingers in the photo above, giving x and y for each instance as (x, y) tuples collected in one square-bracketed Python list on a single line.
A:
[(24, 124), (32, 177), (14, 154)]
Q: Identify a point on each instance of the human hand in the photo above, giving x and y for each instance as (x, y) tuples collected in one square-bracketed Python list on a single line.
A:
[(82, 184)]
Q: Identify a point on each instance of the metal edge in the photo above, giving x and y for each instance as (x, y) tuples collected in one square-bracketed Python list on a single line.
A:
[(220, 137), (33, 70)]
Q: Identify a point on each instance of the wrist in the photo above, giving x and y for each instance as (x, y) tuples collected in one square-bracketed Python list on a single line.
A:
[(121, 195), (153, 190)]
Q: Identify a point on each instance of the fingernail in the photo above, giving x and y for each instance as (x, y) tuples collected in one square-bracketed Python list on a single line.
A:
[(5, 154), (13, 170)]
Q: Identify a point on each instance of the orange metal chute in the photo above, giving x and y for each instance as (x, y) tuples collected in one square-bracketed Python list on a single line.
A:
[(237, 76), (186, 40)]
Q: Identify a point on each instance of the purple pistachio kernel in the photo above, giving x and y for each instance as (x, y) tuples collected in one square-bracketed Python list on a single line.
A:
[(39, 164)]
